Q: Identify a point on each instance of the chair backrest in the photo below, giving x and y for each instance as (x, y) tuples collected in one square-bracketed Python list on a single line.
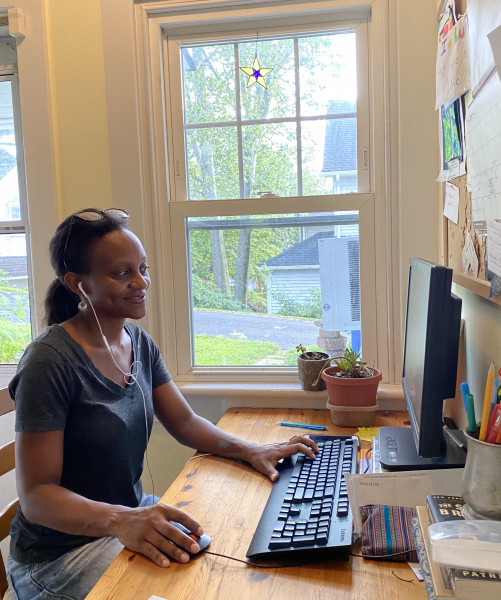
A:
[(7, 463)]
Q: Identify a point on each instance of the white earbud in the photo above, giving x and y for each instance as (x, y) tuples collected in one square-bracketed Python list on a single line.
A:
[(80, 287), (82, 305)]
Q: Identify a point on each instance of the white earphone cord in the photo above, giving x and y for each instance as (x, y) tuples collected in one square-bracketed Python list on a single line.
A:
[(132, 380)]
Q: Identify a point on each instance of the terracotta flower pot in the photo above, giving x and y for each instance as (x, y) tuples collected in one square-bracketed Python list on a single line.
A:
[(346, 391)]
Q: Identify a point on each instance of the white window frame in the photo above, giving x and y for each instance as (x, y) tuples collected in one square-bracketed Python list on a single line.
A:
[(20, 225), (167, 212)]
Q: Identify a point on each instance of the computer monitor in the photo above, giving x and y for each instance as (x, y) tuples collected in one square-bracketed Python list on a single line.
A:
[(431, 346)]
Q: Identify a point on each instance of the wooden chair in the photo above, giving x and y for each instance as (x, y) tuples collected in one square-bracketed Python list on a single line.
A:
[(7, 463)]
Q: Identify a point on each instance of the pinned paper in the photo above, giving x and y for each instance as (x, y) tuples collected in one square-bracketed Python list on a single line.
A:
[(453, 64), (469, 258), (483, 17), (451, 203), (494, 247), (495, 41)]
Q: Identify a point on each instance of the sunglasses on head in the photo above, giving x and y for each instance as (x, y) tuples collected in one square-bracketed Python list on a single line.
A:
[(92, 214)]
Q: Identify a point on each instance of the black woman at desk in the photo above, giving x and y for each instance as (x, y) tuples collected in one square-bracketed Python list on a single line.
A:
[(86, 391)]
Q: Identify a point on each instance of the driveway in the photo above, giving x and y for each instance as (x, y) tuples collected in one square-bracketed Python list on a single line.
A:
[(283, 331)]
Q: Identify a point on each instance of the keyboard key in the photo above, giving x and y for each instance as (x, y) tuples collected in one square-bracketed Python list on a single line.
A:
[(301, 541), (279, 544)]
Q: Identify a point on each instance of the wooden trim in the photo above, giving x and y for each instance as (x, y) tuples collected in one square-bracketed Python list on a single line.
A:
[(479, 286), (6, 403)]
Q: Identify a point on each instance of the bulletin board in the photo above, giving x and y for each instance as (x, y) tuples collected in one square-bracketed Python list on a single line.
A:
[(466, 231)]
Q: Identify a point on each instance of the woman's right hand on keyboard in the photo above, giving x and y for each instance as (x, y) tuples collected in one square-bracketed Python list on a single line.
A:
[(265, 458)]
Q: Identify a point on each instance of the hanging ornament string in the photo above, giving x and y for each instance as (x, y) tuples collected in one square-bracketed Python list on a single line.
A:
[(256, 73)]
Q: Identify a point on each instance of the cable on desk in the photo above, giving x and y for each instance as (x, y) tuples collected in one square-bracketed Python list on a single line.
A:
[(251, 564), (301, 564), (367, 458), (382, 555)]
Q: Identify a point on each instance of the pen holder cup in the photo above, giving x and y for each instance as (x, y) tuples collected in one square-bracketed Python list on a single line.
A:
[(481, 487)]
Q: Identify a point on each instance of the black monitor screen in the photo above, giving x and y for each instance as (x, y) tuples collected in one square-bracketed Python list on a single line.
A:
[(431, 345)]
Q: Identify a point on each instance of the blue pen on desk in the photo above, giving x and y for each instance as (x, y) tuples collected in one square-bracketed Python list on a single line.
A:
[(316, 427), (464, 391)]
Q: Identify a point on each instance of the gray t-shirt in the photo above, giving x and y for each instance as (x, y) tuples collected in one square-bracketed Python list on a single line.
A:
[(57, 387)]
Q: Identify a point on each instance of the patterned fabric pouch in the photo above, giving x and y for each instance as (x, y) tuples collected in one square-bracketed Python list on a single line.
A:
[(387, 530)]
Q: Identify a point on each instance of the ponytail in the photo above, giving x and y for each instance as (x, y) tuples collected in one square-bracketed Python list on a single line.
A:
[(60, 303)]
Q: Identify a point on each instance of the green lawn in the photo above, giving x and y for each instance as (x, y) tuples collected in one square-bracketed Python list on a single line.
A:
[(218, 350)]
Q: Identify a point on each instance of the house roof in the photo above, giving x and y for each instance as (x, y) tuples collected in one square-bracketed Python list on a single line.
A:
[(13, 266), (340, 149), (301, 253), (7, 162)]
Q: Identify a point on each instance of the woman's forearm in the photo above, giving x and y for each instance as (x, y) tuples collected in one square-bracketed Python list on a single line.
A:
[(56, 507)]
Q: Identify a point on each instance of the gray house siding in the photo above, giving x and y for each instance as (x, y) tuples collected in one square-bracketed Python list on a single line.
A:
[(296, 282)]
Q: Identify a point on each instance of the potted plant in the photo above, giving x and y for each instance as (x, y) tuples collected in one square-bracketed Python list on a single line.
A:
[(310, 365), (350, 382)]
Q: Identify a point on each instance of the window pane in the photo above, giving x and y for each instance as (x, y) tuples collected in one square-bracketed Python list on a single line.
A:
[(262, 284), (212, 163), (331, 167), (278, 99), (270, 159), (15, 328), (328, 71), (9, 186), (209, 84)]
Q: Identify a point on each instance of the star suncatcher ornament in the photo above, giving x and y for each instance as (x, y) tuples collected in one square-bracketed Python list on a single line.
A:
[(256, 73)]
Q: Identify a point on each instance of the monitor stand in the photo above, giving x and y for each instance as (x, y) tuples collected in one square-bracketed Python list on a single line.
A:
[(397, 451)]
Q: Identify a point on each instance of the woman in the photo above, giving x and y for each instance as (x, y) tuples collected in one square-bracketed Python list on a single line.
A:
[(85, 393)]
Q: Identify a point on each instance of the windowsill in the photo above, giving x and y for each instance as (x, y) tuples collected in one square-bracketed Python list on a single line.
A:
[(265, 395)]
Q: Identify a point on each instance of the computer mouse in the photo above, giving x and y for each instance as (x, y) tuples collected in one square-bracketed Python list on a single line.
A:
[(203, 541)]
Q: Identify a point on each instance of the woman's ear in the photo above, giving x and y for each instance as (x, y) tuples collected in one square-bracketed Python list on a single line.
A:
[(71, 280)]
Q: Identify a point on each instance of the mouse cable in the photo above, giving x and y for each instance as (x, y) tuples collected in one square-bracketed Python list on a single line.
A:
[(258, 566), (302, 564)]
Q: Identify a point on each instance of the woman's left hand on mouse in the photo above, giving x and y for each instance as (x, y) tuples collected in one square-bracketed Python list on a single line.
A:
[(148, 530)]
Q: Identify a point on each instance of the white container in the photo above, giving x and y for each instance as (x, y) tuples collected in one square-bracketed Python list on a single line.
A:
[(353, 416), (472, 545)]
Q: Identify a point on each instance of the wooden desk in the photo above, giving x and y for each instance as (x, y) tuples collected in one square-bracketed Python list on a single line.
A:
[(228, 499)]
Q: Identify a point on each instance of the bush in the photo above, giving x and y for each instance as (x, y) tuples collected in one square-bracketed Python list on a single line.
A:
[(14, 338), (207, 295), (311, 308)]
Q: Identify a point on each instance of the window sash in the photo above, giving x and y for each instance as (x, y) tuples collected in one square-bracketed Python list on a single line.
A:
[(172, 62), (180, 211)]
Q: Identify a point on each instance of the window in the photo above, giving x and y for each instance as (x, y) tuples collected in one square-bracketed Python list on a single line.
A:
[(15, 320), (270, 214)]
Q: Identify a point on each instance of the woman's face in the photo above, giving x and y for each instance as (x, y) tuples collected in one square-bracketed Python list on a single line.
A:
[(118, 280)]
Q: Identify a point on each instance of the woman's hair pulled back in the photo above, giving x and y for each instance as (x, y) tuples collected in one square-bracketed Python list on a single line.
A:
[(69, 250)]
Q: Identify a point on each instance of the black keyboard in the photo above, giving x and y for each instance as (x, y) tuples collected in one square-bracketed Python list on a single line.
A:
[(308, 510)]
